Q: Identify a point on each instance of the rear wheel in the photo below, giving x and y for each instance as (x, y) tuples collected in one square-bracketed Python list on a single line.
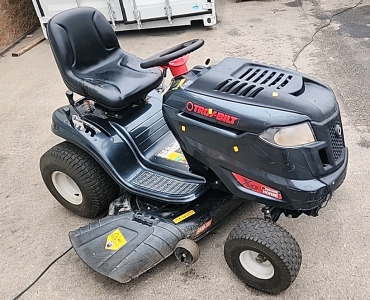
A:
[(263, 255), (77, 181)]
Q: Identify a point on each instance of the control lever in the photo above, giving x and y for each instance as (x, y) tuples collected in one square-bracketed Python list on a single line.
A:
[(67, 111), (69, 95)]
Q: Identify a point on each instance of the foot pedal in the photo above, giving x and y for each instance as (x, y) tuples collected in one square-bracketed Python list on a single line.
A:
[(124, 246)]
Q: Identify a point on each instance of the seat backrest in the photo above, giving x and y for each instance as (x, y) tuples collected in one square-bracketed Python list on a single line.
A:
[(80, 38)]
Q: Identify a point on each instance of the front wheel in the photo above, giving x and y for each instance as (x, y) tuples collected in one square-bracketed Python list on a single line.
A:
[(263, 255), (77, 181)]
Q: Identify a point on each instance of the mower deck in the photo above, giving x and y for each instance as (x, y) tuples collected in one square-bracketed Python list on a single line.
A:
[(123, 246)]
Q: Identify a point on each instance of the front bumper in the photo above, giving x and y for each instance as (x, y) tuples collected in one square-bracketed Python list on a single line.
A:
[(334, 180), (311, 194), (299, 195)]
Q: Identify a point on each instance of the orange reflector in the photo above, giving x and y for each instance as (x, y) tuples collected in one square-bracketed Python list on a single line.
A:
[(257, 187), (183, 128)]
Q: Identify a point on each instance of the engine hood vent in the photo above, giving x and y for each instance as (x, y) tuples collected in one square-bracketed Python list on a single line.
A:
[(249, 81), (239, 88), (266, 77)]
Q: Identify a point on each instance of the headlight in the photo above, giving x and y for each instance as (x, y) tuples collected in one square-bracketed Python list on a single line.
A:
[(289, 136)]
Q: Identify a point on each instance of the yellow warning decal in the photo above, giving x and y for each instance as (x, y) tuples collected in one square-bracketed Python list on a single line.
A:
[(173, 152), (179, 84), (183, 216), (115, 241), (182, 81), (175, 156)]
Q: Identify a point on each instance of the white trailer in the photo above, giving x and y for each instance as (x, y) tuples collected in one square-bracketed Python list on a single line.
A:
[(135, 14)]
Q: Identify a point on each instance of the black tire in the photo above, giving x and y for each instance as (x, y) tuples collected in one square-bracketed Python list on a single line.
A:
[(272, 243), (73, 170)]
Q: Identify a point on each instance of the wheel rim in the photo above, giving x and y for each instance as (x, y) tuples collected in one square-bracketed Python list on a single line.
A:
[(255, 264), (66, 187)]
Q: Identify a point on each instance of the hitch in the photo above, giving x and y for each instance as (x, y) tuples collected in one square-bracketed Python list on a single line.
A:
[(271, 213)]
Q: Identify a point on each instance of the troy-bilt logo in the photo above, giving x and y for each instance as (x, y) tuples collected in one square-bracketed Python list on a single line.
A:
[(210, 113)]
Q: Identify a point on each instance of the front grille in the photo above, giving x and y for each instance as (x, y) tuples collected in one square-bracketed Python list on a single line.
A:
[(336, 141)]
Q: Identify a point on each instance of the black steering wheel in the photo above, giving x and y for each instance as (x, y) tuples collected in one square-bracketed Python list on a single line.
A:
[(163, 58)]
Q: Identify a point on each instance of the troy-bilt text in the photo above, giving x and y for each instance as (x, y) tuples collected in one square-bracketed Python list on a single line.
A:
[(211, 113)]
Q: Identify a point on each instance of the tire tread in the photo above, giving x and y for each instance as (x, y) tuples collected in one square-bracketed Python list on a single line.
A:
[(100, 187), (274, 237)]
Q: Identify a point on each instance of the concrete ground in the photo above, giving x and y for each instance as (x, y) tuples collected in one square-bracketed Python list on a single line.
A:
[(335, 245)]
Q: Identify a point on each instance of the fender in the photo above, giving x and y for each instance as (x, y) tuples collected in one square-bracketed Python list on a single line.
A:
[(119, 156)]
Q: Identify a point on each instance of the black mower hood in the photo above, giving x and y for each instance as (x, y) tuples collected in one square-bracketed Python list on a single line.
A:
[(246, 82)]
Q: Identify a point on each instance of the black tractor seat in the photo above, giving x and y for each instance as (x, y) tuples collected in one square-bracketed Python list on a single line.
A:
[(92, 63)]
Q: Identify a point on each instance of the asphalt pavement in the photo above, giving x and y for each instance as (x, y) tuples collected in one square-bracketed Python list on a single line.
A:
[(34, 226)]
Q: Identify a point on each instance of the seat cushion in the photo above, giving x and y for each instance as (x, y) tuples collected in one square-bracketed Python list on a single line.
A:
[(92, 63), (120, 82)]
